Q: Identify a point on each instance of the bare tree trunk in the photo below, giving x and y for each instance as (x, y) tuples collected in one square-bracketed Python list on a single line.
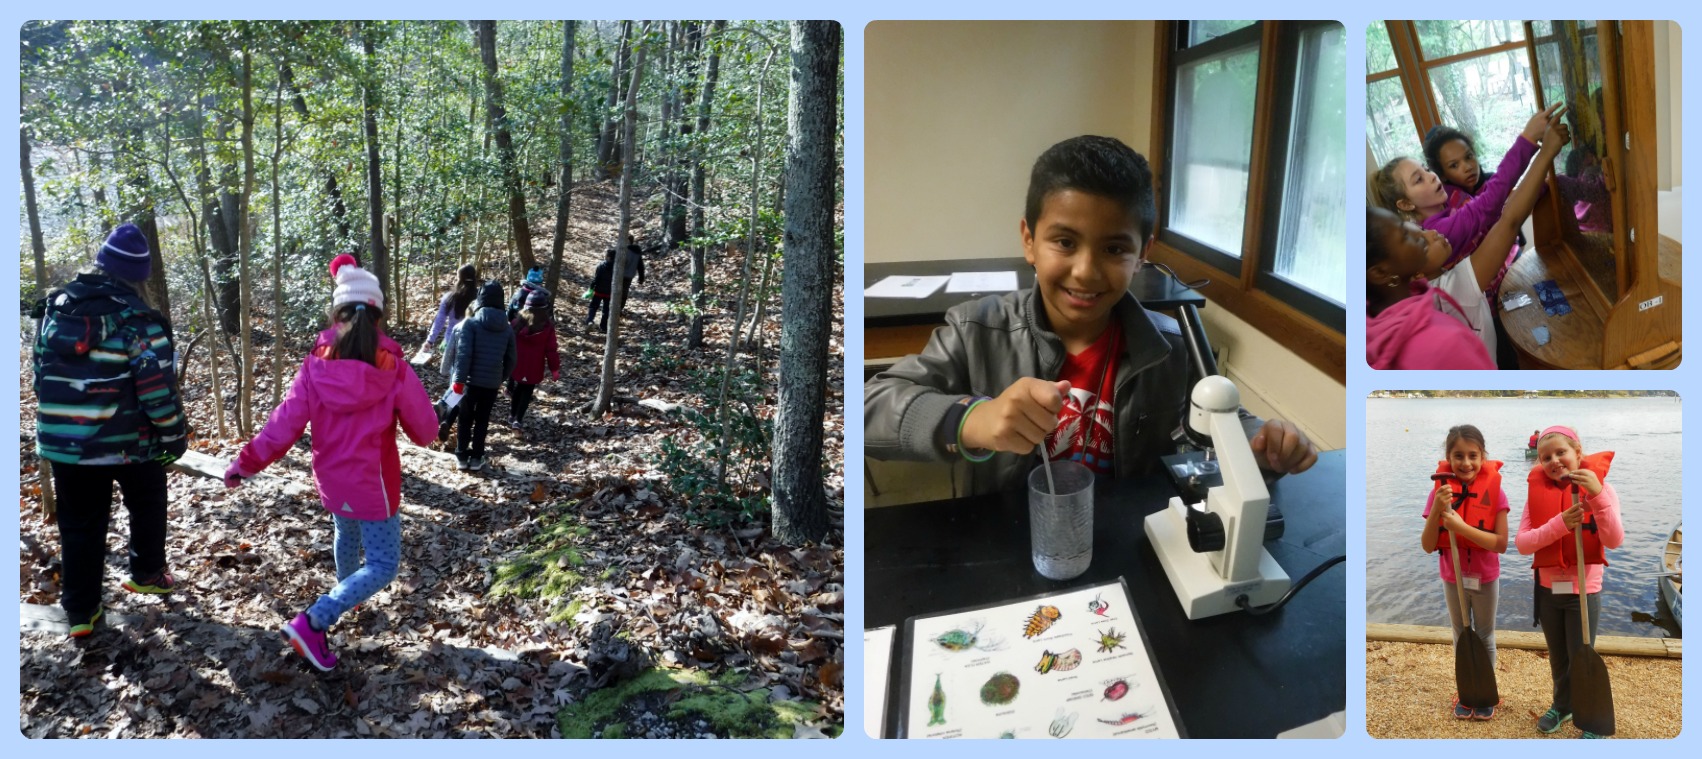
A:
[(745, 279), (213, 347), (800, 504), (37, 247), (245, 393), (101, 211), (611, 344), (694, 336), (552, 278), (277, 247), (520, 233), (380, 264)]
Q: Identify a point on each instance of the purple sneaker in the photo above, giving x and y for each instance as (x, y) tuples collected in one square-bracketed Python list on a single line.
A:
[(310, 643)]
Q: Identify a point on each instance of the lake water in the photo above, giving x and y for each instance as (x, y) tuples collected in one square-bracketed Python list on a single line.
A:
[(1403, 440)]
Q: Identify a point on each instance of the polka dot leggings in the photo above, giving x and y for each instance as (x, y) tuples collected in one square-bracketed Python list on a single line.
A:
[(357, 581)]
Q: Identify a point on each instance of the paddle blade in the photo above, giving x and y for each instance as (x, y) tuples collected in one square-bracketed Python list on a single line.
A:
[(1592, 693), (1474, 676)]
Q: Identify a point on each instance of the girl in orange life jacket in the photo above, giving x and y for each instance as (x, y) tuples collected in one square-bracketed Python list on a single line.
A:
[(1479, 526), (1545, 529)]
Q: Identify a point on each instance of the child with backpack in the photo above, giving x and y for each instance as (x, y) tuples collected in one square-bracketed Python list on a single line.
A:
[(484, 355)]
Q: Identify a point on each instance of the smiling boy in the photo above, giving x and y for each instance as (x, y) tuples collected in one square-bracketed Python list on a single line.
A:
[(1075, 362)]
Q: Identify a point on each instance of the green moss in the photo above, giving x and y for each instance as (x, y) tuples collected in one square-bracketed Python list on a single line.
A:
[(547, 569), (730, 712)]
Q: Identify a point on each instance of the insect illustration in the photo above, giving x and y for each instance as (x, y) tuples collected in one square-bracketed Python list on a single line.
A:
[(1098, 605), (1040, 621), (1063, 662), (937, 704), (1127, 719), (1000, 689), (1110, 640), (966, 638), (1116, 690), (1062, 724)]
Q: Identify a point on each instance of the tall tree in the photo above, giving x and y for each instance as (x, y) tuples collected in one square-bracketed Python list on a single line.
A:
[(694, 336), (520, 233), (629, 167), (379, 265), (245, 395), (37, 247), (552, 279), (800, 505), (339, 211)]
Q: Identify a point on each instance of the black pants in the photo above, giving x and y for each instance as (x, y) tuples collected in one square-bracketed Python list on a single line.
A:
[(599, 302), (475, 420), (520, 398), (1558, 615), (85, 511)]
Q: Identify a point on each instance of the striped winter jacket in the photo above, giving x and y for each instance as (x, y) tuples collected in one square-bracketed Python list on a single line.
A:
[(105, 379)]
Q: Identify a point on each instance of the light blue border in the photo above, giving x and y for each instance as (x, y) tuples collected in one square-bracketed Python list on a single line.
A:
[(854, 16)]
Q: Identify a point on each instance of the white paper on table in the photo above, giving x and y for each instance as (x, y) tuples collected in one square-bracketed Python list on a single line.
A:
[(421, 357), (982, 282), (450, 398), (1098, 683), (898, 286), (877, 656)]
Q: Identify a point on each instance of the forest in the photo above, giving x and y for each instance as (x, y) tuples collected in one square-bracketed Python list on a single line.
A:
[(657, 552)]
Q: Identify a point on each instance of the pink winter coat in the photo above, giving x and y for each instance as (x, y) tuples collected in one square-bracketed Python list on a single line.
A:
[(539, 356), (1415, 334), (353, 407)]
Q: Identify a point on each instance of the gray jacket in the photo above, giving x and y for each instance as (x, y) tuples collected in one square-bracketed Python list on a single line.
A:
[(990, 343), (484, 350)]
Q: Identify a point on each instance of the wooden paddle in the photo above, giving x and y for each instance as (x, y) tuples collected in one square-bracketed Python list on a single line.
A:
[(1474, 675), (1592, 693)]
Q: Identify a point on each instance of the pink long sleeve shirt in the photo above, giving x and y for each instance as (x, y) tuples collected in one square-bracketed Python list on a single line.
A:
[(1535, 537)]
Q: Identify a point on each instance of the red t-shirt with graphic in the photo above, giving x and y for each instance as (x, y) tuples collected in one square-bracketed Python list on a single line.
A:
[(1085, 424)]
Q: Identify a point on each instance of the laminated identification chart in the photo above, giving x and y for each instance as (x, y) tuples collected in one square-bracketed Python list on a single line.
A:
[(1067, 665)]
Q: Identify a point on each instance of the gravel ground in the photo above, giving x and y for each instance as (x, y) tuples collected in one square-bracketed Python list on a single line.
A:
[(1409, 688)]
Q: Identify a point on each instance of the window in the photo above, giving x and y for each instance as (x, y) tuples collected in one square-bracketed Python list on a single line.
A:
[(1474, 76), (1253, 174)]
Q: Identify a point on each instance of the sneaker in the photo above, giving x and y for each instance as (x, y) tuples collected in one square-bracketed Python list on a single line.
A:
[(1551, 721), (476, 463), (1588, 734), (1461, 711), (1485, 714), (514, 424), (461, 460), (310, 643), (84, 627), (158, 585)]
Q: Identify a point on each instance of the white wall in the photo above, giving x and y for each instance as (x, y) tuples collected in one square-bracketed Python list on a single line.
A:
[(1669, 103), (956, 112)]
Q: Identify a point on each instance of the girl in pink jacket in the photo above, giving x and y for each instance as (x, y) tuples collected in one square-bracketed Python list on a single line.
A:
[(353, 389)]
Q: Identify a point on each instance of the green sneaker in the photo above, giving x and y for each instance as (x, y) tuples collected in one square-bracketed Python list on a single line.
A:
[(85, 626), (157, 585), (1551, 721), (1588, 734)]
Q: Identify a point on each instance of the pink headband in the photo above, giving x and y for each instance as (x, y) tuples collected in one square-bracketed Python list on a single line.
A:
[(1562, 430)]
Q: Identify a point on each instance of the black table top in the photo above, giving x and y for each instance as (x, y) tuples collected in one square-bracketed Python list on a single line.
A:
[(1152, 287), (1232, 676)]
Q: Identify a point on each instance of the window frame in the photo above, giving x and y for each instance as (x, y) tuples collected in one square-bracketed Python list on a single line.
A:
[(1310, 325)]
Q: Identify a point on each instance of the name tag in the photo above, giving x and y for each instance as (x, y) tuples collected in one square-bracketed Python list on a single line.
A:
[(1469, 582), (1566, 588)]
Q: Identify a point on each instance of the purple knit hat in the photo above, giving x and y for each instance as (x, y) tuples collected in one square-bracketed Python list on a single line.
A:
[(125, 254)]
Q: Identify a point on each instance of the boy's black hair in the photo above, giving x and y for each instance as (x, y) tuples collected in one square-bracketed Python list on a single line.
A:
[(609, 255), (1101, 166), (1441, 135)]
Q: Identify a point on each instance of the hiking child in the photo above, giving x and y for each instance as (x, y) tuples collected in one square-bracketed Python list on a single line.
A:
[(353, 391), (453, 307), (634, 268), (534, 283), (535, 341), (107, 411), (600, 289), (484, 356)]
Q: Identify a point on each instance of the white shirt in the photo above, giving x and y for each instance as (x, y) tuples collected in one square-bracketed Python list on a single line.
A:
[(1460, 283)]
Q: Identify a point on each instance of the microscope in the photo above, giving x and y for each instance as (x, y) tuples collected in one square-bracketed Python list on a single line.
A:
[(1213, 551)]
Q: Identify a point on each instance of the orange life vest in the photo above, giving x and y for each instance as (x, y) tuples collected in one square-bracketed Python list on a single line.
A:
[(1548, 498), (1478, 508)]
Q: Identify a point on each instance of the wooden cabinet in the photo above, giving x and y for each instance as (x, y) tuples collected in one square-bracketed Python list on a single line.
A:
[(1596, 229)]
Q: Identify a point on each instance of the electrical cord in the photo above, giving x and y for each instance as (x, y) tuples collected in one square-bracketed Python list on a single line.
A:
[(1241, 600), (1194, 285)]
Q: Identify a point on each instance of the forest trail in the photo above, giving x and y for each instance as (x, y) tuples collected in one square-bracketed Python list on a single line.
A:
[(437, 653)]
